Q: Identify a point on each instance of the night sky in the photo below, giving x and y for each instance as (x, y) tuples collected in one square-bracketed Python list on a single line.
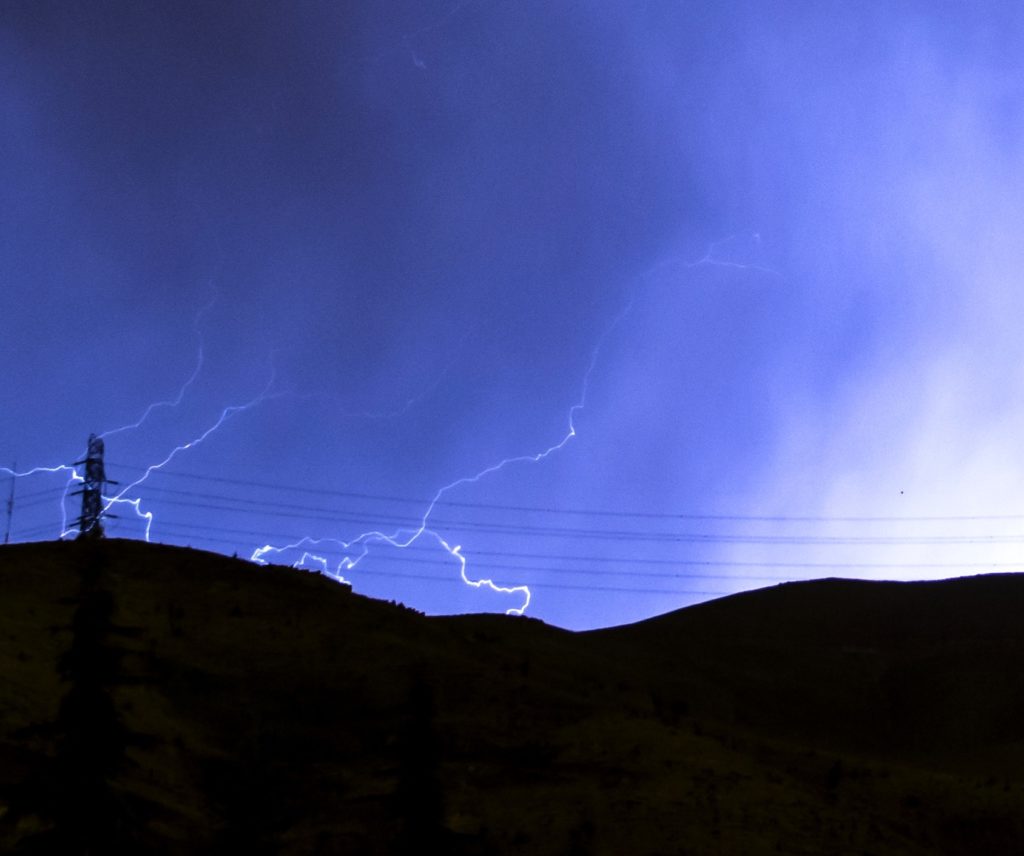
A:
[(774, 251)]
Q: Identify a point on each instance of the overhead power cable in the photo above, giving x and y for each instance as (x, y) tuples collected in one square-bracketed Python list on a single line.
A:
[(425, 502), (277, 509), (182, 530), (324, 546)]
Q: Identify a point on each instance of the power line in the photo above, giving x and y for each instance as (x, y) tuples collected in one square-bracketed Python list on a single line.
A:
[(34, 532), (50, 491), (373, 572), (39, 500), (413, 521), (629, 589), (522, 563), (523, 569), (303, 512), (520, 570), (423, 503), (184, 528), (264, 536)]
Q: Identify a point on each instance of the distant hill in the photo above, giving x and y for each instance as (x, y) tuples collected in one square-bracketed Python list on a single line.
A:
[(158, 699)]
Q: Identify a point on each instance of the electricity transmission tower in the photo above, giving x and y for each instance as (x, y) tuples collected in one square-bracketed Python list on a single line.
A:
[(90, 523)]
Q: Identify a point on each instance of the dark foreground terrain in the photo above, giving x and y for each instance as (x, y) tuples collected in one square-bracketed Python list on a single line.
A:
[(156, 699)]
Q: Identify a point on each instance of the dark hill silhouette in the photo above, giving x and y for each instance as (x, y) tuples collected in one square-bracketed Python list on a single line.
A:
[(158, 699), (924, 670)]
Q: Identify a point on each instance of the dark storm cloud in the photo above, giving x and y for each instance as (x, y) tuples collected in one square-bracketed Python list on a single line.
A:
[(424, 217)]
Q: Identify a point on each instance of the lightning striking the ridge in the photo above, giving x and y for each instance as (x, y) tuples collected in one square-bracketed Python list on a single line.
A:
[(358, 548), (403, 538), (814, 271)]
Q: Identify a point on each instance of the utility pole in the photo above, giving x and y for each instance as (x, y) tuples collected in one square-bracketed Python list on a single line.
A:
[(89, 524), (10, 503)]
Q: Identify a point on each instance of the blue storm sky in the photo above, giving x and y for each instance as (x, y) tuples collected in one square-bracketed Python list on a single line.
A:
[(777, 245)]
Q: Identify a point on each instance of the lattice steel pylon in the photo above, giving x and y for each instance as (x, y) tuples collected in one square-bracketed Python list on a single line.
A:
[(95, 479)]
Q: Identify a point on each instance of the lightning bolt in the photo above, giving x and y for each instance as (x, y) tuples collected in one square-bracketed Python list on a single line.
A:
[(72, 472), (359, 547), (135, 503), (711, 257), (226, 414), (59, 468), (174, 402)]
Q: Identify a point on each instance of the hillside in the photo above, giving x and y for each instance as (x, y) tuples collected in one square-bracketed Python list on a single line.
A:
[(166, 700)]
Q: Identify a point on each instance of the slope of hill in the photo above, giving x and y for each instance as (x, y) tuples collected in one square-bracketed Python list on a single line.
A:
[(924, 671), (167, 700)]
